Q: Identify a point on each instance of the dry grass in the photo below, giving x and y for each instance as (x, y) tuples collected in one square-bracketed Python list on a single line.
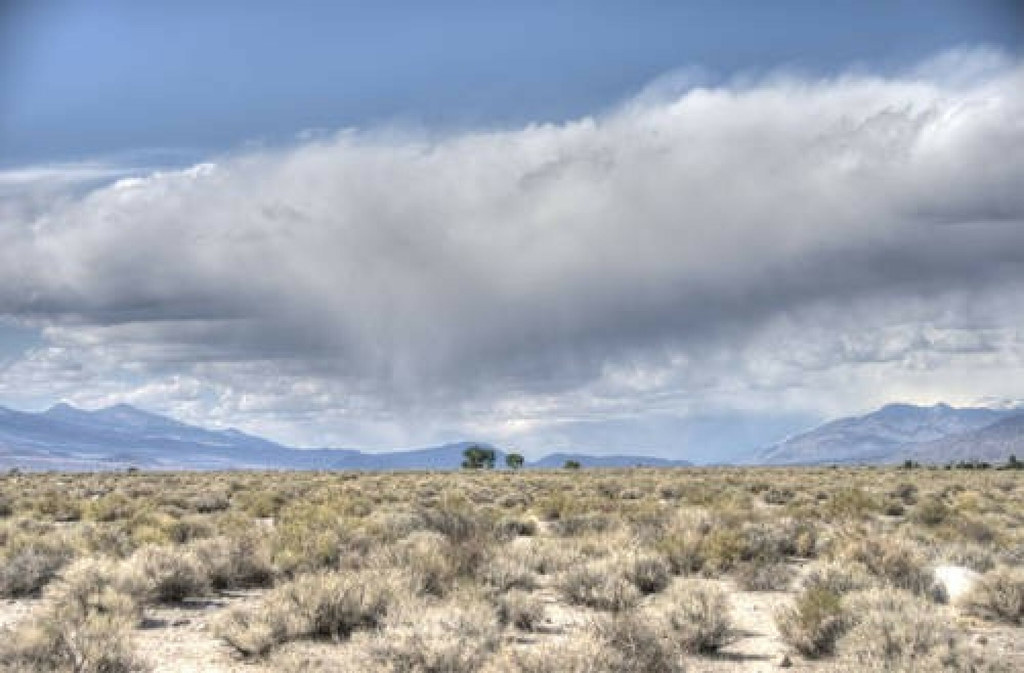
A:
[(531, 571)]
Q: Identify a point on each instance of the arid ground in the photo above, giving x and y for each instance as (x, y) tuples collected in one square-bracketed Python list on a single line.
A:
[(716, 569)]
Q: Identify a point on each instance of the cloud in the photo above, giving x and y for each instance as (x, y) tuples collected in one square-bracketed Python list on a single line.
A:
[(726, 247)]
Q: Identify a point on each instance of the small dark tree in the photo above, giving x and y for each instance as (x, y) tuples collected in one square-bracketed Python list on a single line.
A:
[(1014, 464), (572, 465), (478, 458), (514, 461)]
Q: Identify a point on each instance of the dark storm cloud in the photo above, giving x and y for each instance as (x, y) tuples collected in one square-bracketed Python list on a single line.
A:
[(536, 260)]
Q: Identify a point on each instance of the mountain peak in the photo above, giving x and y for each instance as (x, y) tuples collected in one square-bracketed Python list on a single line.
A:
[(64, 409)]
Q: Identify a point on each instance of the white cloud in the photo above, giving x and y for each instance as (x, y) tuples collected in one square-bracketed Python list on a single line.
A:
[(807, 245)]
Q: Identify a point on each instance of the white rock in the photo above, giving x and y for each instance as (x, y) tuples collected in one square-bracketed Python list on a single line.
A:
[(956, 580)]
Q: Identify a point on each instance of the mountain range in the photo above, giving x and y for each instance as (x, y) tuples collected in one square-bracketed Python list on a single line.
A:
[(67, 438), (899, 432)]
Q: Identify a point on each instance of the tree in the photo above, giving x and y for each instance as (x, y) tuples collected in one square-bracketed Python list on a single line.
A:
[(514, 461), (478, 458), (572, 465)]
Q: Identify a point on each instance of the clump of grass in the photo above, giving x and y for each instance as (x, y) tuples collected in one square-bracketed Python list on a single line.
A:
[(814, 623)]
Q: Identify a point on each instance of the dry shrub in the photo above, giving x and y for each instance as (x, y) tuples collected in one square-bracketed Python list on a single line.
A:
[(470, 535), (600, 585), (502, 573), (814, 623), (757, 576), (456, 638), (583, 653), (837, 578), (998, 595), (649, 574), (426, 556), (236, 562), (30, 565), (84, 627), (171, 574), (307, 538), (520, 609), (683, 551), (894, 561), (637, 644), (511, 527), (896, 631), (576, 525), (698, 615), (321, 605)]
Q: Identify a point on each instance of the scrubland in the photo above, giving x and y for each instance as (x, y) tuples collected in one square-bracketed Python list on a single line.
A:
[(639, 570)]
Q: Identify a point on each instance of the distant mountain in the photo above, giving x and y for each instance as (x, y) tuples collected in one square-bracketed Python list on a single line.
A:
[(67, 438), (585, 460), (885, 435), (993, 443)]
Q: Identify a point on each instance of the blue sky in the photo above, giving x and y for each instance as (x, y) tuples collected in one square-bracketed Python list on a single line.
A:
[(678, 228), (79, 79)]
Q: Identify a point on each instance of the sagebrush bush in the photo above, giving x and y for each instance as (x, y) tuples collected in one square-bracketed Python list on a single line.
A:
[(520, 610), (236, 562), (85, 625), (837, 578), (319, 605), (650, 574), (759, 576), (638, 644), (998, 595), (894, 631), (700, 618), (171, 574), (452, 639), (814, 623), (30, 565), (894, 561), (600, 585)]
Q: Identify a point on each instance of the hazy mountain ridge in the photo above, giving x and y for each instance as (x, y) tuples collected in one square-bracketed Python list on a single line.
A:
[(896, 432), (67, 438)]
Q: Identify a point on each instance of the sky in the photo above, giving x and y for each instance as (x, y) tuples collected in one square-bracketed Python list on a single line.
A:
[(683, 229)]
